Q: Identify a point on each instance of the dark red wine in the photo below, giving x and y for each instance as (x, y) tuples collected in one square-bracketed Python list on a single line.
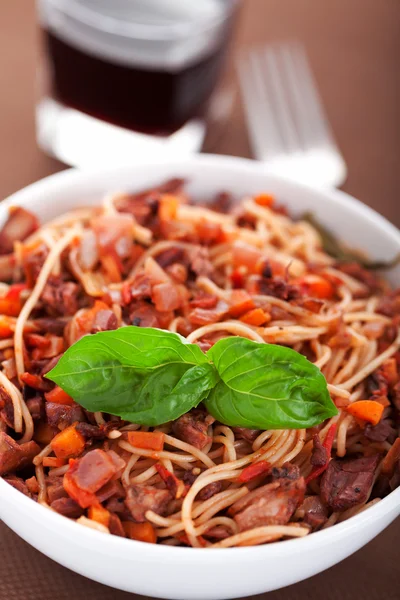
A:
[(139, 98)]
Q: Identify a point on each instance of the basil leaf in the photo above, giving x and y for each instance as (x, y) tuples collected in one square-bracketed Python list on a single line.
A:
[(264, 386), (143, 375)]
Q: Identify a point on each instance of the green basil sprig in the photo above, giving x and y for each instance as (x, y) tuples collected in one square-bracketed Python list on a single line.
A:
[(148, 376)]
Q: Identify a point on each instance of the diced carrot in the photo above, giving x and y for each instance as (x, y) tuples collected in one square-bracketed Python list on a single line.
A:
[(240, 303), (99, 514), (256, 317), (83, 498), (147, 440), (58, 396), (366, 410), (264, 200), (316, 286), (253, 471), (168, 207), (68, 443), (51, 461), (391, 458), (142, 532)]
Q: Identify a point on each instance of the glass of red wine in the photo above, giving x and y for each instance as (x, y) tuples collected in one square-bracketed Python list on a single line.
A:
[(114, 67)]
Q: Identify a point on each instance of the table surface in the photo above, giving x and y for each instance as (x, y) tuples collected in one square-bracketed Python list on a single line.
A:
[(353, 47)]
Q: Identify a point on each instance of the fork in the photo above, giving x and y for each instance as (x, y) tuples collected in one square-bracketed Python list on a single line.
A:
[(288, 127)]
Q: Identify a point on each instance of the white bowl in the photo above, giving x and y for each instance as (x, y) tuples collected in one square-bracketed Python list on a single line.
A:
[(187, 573)]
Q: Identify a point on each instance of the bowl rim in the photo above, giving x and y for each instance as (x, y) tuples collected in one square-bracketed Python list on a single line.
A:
[(115, 543)]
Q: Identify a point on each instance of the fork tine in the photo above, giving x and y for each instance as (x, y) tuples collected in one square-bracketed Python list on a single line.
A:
[(265, 138), (310, 116), (277, 88)]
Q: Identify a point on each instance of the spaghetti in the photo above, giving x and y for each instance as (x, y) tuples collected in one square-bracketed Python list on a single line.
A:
[(153, 259)]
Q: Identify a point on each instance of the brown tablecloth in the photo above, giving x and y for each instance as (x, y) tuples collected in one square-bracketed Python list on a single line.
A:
[(354, 48)]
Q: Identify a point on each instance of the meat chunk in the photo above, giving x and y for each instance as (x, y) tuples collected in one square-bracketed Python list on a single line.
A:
[(51, 325), (93, 471), (104, 320), (36, 407), (115, 526), (170, 256), (91, 432), (60, 297), (389, 304), (246, 434), (315, 512), (271, 504), (192, 428), (63, 415), (286, 471), (18, 226), (56, 490), (319, 454), (67, 507), (15, 456), (210, 490), (19, 484), (381, 432), (140, 498), (347, 482), (272, 286)]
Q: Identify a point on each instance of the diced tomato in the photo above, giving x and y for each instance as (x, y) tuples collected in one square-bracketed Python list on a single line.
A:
[(34, 381), (238, 277), (266, 200), (210, 233), (37, 341), (316, 286), (7, 325), (58, 396), (240, 303), (148, 440), (11, 303), (256, 317), (254, 470)]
